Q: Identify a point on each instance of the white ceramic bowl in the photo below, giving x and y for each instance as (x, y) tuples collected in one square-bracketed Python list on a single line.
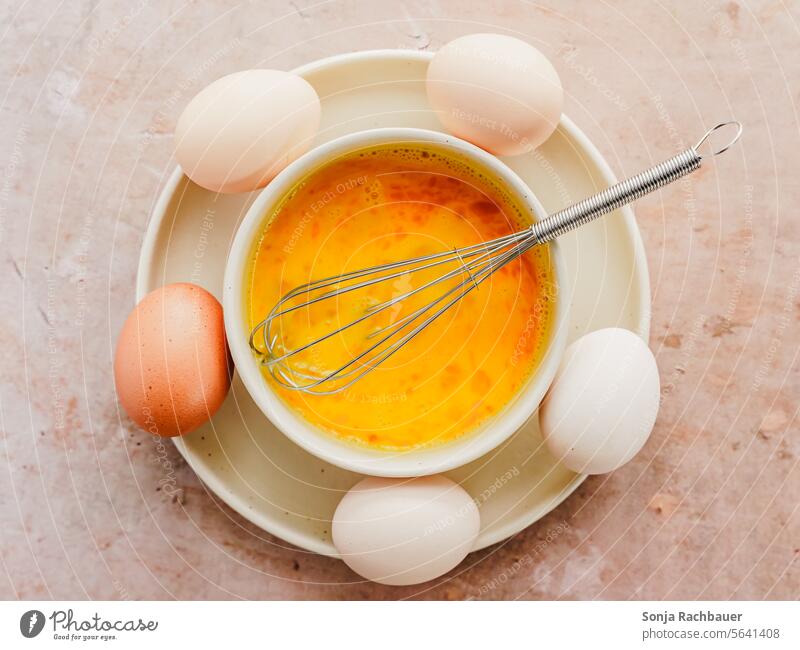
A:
[(322, 444)]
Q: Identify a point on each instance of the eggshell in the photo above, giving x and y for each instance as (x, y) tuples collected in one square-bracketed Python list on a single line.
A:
[(172, 365), (240, 131), (405, 531), (603, 402), (495, 91)]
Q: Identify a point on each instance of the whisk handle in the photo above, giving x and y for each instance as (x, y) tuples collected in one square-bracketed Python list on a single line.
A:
[(626, 191)]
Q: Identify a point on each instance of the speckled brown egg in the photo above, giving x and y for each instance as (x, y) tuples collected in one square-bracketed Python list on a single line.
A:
[(172, 366)]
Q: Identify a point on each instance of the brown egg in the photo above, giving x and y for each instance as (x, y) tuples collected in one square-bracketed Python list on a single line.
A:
[(172, 367)]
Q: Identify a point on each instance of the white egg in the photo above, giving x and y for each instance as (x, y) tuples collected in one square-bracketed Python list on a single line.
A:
[(405, 531), (603, 402), (495, 91), (240, 131)]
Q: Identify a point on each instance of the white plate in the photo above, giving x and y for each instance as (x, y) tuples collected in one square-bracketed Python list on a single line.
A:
[(292, 494)]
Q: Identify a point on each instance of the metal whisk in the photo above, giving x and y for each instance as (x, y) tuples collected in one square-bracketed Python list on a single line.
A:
[(472, 265)]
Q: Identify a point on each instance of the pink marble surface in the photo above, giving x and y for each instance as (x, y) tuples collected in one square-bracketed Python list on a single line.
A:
[(709, 509)]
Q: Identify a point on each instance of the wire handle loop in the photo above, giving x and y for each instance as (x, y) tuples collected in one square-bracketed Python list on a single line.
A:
[(629, 190)]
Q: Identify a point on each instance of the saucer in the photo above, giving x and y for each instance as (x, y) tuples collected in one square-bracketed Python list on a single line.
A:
[(290, 493)]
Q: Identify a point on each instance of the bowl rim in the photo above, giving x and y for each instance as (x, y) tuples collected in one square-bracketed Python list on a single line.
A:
[(420, 462)]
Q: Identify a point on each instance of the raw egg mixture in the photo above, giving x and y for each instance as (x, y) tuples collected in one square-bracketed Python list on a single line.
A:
[(379, 206)]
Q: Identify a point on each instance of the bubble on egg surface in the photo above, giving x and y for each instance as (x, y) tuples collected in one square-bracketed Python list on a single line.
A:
[(498, 92), (172, 367), (236, 134), (603, 402), (405, 531)]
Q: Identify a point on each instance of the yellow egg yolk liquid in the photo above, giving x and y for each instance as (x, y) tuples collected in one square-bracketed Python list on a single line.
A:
[(383, 205)]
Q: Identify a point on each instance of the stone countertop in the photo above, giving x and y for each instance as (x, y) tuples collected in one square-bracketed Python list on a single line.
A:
[(707, 510)]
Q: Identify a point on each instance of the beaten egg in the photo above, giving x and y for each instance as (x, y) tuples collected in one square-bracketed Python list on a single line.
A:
[(381, 205)]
